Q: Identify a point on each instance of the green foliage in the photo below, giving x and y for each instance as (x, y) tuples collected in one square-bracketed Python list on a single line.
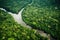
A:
[(43, 3), (14, 5), (41, 14), (43, 18), (10, 30)]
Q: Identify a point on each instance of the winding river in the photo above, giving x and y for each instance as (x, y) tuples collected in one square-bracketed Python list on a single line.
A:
[(18, 19)]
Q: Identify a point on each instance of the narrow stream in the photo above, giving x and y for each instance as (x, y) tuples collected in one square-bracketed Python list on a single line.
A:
[(18, 19)]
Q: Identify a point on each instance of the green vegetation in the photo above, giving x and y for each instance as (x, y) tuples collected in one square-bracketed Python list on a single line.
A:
[(44, 3), (44, 15), (10, 30), (14, 5), (43, 18), (39, 14)]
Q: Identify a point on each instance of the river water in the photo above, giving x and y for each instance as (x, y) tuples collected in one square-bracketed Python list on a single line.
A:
[(18, 19)]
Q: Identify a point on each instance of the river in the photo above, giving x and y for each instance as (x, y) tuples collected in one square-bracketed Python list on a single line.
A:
[(18, 19)]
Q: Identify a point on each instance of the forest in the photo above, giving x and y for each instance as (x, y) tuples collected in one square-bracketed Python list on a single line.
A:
[(39, 14)]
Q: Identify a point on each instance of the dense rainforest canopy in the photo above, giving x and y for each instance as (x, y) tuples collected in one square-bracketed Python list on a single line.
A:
[(14, 5), (44, 15), (10, 30), (39, 14), (46, 19), (17, 5)]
